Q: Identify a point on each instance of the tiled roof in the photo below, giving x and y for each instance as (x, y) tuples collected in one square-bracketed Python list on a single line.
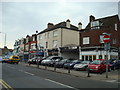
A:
[(60, 25), (106, 22)]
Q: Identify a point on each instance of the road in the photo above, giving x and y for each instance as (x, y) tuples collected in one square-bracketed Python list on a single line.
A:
[(20, 76)]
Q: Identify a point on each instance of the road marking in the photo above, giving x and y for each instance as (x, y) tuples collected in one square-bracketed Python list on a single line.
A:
[(8, 87), (61, 84), (111, 81), (11, 67), (29, 73), (20, 70)]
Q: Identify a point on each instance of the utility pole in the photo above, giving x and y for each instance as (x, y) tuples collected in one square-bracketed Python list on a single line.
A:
[(4, 38), (106, 40)]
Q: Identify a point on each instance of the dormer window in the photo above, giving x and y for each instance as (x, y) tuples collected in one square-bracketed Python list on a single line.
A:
[(95, 25), (116, 27)]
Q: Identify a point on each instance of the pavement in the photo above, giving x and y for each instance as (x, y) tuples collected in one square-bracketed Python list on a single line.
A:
[(113, 76)]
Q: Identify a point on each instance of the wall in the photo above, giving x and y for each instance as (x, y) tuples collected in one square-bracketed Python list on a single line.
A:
[(70, 37)]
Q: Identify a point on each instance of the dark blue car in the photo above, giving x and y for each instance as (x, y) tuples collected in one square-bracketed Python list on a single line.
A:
[(71, 64), (114, 64)]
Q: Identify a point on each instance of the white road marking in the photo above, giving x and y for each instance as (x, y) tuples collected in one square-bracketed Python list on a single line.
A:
[(20, 70), (111, 81), (29, 73), (61, 84), (11, 67)]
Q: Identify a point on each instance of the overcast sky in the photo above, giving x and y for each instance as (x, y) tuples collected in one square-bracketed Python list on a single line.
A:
[(24, 18)]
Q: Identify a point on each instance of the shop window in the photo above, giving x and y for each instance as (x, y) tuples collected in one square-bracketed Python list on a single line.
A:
[(90, 58), (82, 57), (94, 57), (100, 56), (86, 57)]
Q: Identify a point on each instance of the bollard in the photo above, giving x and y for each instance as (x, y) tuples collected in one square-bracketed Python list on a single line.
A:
[(69, 69), (54, 67), (45, 66), (88, 72), (37, 64)]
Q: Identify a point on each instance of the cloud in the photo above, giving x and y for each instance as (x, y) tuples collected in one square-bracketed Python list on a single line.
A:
[(22, 18)]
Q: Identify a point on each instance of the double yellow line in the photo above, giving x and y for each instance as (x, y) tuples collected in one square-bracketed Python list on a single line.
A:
[(8, 87)]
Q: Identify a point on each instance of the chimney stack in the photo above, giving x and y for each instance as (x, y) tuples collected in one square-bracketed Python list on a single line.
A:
[(68, 23), (50, 25), (91, 18), (79, 26)]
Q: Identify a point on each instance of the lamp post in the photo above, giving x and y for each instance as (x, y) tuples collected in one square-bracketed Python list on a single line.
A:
[(5, 38)]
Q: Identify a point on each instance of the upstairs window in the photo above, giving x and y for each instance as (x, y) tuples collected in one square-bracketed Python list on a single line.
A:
[(40, 37), (116, 27), (55, 33), (101, 38), (95, 25), (55, 43), (86, 40), (114, 41)]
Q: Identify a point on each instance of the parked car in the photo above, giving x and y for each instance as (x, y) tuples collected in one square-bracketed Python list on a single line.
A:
[(47, 60), (114, 64), (32, 60), (53, 62), (5, 59), (71, 64), (14, 59), (62, 62), (98, 65), (82, 66)]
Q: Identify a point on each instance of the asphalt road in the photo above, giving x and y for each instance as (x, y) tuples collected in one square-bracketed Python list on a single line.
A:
[(19, 76)]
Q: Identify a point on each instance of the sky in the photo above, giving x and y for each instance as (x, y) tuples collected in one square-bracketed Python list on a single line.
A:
[(21, 18)]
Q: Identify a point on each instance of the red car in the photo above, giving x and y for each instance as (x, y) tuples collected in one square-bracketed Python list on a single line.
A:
[(98, 65)]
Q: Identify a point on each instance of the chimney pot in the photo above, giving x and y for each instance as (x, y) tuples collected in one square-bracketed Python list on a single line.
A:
[(50, 25), (91, 18), (68, 23), (79, 26)]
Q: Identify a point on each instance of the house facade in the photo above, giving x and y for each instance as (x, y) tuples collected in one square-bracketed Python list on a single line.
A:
[(56, 37), (92, 45)]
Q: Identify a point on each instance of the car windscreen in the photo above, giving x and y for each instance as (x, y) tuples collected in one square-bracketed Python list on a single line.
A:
[(15, 58), (96, 62), (74, 61), (85, 62)]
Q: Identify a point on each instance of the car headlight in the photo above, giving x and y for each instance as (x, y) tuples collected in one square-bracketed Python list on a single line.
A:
[(96, 67)]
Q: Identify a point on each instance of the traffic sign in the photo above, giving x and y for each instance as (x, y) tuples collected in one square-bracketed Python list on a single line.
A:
[(106, 38)]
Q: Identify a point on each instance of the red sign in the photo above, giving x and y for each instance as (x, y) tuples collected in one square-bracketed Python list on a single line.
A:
[(106, 38)]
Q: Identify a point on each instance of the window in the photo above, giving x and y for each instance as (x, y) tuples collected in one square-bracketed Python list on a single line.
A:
[(55, 33), (48, 35), (86, 57), (100, 56), (116, 27), (33, 38), (82, 57), (45, 35), (40, 37), (95, 25), (114, 41), (86, 40), (54, 43), (101, 38), (94, 57)]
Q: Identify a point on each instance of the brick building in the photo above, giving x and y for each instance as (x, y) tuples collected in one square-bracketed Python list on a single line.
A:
[(91, 38)]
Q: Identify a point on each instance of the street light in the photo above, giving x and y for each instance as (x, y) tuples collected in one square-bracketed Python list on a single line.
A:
[(5, 38)]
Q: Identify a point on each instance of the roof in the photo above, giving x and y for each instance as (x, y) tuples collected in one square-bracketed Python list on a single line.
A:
[(60, 25), (106, 22)]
